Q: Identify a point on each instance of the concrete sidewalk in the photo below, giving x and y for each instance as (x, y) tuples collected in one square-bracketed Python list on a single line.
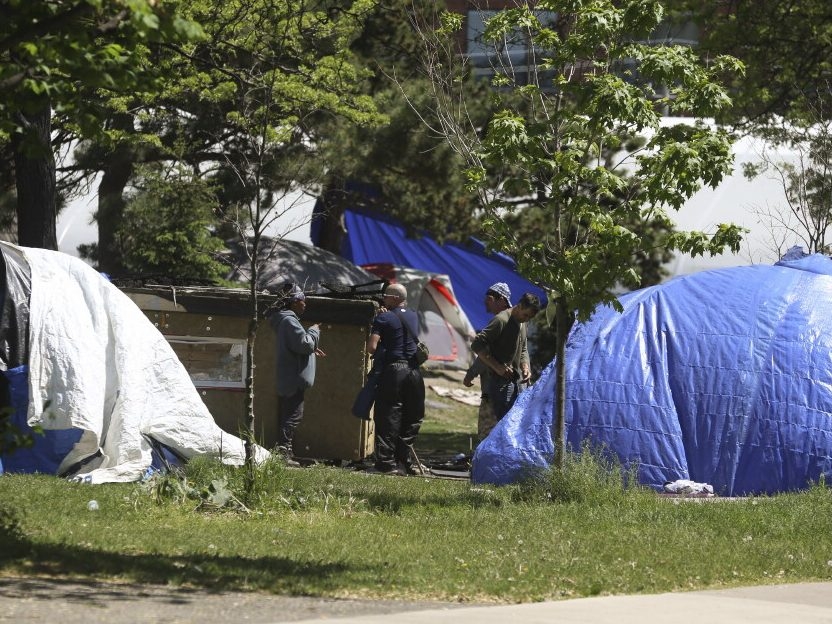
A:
[(806, 603), (68, 602)]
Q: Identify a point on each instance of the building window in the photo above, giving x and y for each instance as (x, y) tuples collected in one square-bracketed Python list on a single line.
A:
[(515, 56), (212, 362)]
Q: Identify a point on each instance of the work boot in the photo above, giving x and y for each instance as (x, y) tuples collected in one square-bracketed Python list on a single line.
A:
[(286, 454)]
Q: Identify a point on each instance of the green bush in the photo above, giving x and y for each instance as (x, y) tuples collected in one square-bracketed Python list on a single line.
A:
[(593, 475)]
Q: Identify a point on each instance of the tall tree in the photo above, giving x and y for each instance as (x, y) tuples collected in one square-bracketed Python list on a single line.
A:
[(51, 53), (805, 177), (203, 115), (288, 77), (402, 168), (785, 46), (246, 107), (585, 82)]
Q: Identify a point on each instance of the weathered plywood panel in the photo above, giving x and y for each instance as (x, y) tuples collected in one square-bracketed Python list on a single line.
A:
[(328, 430)]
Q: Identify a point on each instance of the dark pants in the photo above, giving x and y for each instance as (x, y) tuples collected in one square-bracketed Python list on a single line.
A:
[(289, 415), (399, 411), (501, 393)]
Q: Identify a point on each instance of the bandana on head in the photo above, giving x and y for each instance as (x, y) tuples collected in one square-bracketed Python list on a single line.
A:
[(296, 294), (502, 289)]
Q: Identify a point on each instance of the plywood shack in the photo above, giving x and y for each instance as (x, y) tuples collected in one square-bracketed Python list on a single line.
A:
[(207, 328)]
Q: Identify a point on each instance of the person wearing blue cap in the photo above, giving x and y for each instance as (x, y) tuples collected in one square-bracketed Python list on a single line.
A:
[(497, 299), (297, 348), (502, 346)]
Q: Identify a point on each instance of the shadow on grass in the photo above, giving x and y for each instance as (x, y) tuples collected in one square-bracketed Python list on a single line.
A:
[(216, 573), (395, 495), (444, 443), (13, 541)]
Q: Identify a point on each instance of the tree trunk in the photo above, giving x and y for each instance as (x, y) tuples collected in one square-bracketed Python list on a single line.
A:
[(251, 339), (34, 165), (563, 324), (111, 203), (249, 436), (332, 228)]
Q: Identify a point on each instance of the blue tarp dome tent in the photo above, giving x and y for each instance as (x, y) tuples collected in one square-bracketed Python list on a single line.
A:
[(721, 377)]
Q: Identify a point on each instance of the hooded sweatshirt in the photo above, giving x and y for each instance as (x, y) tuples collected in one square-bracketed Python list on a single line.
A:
[(295, 353)]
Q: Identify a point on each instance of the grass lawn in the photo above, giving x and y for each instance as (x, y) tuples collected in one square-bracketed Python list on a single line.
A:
[(327, 531), (450, 427)]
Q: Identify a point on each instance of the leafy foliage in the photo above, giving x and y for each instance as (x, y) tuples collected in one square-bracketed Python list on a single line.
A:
[(242, 107), (785, 46), (168, 228), (590, 82), (400, 168), (176, 487), (59, 60), (577, 102), (60, 50)]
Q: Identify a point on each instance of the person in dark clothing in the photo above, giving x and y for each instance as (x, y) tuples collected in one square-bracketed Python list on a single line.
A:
[(400, 401), (502, 347), (297, 348), (497, 299)]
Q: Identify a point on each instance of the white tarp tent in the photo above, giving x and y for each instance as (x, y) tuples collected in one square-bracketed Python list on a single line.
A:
[(740, 201), (97, 365)]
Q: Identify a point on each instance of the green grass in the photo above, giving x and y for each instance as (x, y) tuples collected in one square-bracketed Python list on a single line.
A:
[(330, 532), (450, 427), (326, 531)]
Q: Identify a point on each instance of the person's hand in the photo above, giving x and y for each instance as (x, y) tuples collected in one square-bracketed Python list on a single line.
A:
[(525, 375), (467, 382), (316, 326), (507, 372), (320, 353)]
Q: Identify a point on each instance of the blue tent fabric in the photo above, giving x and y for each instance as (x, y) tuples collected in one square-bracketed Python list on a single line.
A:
[(49, 447), (720, 377), (372, 238)]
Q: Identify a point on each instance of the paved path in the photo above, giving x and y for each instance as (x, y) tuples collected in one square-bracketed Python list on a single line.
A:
[(37, 600), (48, 601)]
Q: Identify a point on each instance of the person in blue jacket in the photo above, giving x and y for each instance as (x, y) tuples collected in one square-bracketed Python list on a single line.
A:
[(297, 348), (400, 400)]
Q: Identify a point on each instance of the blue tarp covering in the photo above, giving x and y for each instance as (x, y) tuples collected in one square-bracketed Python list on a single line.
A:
[(372, 238), (721, 377), (49, 447)]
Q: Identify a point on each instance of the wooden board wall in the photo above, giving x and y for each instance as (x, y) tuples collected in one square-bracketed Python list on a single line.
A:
[(328, 430)]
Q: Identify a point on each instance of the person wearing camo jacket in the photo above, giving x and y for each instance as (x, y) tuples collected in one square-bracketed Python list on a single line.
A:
[(497, 299)]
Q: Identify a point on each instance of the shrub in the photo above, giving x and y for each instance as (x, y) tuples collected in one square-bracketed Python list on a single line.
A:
[(593, 475)]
